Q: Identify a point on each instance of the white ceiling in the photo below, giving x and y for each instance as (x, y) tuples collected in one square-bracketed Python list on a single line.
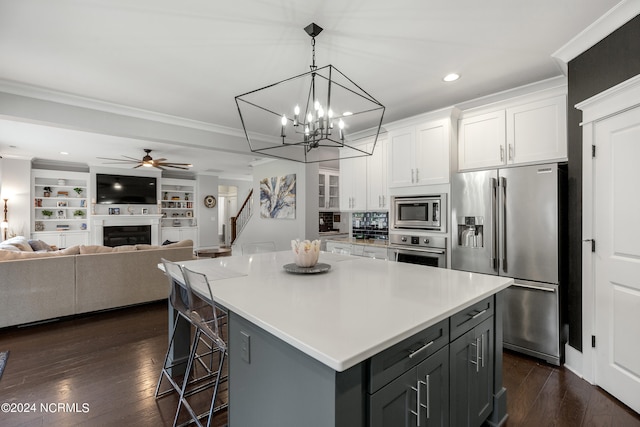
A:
[(190, 58)]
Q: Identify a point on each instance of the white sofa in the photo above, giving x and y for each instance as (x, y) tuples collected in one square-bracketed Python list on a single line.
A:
[(37, 286)]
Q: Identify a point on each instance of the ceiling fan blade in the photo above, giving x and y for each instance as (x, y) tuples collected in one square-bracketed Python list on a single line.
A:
[(159, 167), (159, 160), (136, 167), (175, 164), (177, 167), (120, 160)]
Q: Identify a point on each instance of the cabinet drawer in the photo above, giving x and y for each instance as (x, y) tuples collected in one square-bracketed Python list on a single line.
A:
[(394, 361), (470, 317)]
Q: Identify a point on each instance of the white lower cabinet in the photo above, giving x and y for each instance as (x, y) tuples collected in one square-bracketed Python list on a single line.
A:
[(176, 234), (63, 239)]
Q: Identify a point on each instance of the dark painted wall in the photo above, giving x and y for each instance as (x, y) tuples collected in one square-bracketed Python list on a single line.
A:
[(613, 60)]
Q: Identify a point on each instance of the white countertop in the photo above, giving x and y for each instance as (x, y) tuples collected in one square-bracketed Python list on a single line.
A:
[(358, 308)]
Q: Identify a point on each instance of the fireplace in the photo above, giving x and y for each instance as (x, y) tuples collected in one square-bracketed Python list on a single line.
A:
[(126, 235)]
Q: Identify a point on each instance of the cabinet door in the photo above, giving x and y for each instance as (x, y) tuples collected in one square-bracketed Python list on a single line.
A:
[(471, 376), (434, 373), (171, 234), (322, 190), (377, 197), (353, 182), (333, 191), (481, 141), (401, 171), (537, 131), (482, 384), (392, 405), (67, 240), (432, 153)]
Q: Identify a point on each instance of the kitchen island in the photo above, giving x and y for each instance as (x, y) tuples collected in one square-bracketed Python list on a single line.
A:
[(349, 347)]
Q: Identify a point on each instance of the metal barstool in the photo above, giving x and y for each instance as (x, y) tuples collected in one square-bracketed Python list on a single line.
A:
[(205, 317), (179, 301)]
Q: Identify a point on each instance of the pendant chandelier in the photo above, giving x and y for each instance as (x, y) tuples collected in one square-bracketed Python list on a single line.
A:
[(311, 117)]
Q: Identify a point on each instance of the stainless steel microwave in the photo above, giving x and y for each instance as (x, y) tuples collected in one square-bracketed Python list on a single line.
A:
[(420, 213)]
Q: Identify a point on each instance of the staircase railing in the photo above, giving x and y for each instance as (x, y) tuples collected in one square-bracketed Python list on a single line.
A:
[(241, 219)]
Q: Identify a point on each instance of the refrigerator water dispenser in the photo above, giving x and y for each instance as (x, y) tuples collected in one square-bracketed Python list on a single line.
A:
[(470, 232)]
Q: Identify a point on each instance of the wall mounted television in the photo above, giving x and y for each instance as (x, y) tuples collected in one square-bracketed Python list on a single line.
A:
[(125, 189)]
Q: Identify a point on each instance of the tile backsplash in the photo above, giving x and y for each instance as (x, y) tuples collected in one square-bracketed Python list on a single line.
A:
[(370, 225)]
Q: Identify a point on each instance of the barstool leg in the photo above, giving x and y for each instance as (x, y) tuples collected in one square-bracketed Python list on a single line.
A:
[(185, 381), (215, 388)]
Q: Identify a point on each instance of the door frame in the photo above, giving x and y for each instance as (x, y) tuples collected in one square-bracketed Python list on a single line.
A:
[(608, 103)]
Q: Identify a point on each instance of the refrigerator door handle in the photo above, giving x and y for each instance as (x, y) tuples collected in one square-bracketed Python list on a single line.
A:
[(492, 220), (503, 184)]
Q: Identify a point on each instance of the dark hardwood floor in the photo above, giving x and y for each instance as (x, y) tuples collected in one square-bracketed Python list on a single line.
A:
[(108, 365)]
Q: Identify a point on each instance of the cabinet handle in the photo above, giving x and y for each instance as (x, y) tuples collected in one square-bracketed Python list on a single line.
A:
[(510, 151), (424, 347), (428, 406), (412, 181), (476, 344), (418, 404), (478, 314), (482, 349), (417, 178), (502, 153)]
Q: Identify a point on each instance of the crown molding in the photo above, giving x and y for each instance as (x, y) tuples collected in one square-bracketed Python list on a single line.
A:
[(21, 89), (619, 15)]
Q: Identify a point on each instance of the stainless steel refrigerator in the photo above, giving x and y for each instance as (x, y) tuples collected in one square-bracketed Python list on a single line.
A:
[(510, 222)]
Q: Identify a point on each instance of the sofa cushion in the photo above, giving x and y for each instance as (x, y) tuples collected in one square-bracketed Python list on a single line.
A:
[(19, 242), (10, 255), (145, 247), (8, 248)]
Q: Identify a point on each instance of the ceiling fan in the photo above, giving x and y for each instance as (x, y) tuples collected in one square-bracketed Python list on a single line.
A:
[(148, 161)]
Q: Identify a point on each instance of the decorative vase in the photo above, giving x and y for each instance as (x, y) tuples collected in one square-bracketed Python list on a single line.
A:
[(305, 252)]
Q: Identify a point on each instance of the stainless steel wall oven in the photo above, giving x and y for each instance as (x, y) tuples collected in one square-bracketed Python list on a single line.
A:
[(422, 250)]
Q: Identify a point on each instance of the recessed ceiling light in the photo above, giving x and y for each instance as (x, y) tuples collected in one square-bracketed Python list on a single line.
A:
[(64, 153), (451, 77)]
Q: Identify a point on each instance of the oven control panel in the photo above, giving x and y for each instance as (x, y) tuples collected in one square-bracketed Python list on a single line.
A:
[(419, 241)]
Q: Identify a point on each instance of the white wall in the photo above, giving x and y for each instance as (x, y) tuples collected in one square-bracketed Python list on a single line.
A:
[(207, 218), (15, 185), (282, 231)]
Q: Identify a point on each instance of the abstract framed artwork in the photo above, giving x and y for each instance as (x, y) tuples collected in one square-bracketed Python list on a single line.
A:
[(278, 197)]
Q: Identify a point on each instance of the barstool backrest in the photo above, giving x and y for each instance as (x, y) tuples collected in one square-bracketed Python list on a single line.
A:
[(178, 295), (204, 316)]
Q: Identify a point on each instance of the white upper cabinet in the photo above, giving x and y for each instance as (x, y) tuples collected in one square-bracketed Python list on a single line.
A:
[(537, 132), (363, 180), (353, 184), (529, 131), (328, 190), (482, 140), (419, 155), (377, 189)]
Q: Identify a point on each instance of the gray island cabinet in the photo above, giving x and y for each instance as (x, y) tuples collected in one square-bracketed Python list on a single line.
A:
[(369, 343)]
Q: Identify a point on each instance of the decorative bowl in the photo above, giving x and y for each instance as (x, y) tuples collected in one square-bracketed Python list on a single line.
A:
[(305, 252)]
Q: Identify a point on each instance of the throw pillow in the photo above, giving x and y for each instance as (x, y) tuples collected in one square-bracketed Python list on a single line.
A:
[(39, 245), (19, 242)]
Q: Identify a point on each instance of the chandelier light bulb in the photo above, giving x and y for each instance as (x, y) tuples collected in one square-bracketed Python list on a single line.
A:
[(316, 105), (284, 124), (341, 126)]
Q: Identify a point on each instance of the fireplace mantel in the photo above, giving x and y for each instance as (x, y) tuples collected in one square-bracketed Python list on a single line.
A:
[(98, 222)]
